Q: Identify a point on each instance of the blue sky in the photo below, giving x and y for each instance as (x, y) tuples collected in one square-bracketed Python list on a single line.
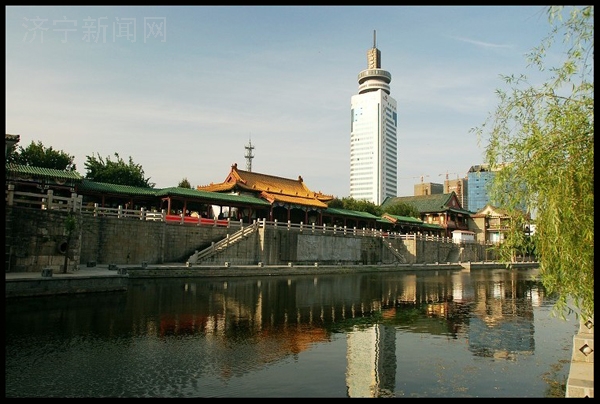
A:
[(194, 85)]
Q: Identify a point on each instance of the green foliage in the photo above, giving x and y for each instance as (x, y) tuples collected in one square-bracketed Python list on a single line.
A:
[(116, 172), (184, 183), (542, 138), (336, 203), (36, 155), (70, 224), (361, 205), (403, 209)]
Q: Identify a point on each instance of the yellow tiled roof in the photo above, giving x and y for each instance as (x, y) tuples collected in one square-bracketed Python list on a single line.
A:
[(294, 200), (271, 187), (222, 187)]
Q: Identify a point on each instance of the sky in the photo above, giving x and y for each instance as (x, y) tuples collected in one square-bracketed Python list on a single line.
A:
[(182, 90)]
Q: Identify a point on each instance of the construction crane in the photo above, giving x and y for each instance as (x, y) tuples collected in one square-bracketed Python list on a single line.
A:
[(412, 178), (447, 175), (457, 187)]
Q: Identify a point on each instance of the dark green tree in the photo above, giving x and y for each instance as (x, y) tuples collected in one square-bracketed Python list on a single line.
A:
[(359, 205), (116, 172), (336, 203), (541, 140), (37, 155), (184, 183), (403, 209)]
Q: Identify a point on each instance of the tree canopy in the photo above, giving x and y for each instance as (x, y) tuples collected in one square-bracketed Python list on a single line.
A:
[(358, 205), (184, 183), (541, 140), (403, 209), (116, 172), (37, 155)]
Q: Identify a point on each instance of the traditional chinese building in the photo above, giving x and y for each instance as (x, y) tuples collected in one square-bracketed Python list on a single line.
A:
[(443, 210), (291, 200)]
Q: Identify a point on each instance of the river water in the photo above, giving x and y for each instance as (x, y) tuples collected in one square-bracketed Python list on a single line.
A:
[(484, 333)]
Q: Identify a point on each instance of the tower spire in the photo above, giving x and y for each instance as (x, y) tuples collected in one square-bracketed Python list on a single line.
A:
[(374, 78)]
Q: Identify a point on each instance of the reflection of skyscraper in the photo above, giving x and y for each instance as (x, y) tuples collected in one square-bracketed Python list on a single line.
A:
[(504, 340), (373, 139), (499, 327), (371, 355)]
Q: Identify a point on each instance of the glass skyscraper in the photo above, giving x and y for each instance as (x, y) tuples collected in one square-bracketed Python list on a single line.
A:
[(479, 177)]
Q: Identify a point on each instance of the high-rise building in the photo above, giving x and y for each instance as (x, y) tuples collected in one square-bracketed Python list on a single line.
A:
[(373, 138), (479, 178)]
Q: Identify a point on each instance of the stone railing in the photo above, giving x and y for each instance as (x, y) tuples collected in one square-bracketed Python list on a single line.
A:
[(74, 203), (47, 201)]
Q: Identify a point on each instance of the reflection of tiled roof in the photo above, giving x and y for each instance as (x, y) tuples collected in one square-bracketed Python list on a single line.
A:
[(427, 203), (270, 187)]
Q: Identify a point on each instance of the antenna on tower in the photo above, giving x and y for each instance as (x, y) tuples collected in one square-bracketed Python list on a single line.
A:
[(374, 38), (249, 156)]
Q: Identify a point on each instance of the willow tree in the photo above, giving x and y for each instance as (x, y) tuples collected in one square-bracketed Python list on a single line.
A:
[(541, 141)]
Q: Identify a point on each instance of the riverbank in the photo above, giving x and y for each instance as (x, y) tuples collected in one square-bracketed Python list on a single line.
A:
[(114, 277)]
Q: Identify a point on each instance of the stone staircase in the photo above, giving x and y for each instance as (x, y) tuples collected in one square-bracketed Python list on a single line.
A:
[(401, 259), (222, 245), (454, 255)]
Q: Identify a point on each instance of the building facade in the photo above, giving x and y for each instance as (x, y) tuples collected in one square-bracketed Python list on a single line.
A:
[(460, 186), (428, 188), (479, 177), (373, 134), (443, 210)]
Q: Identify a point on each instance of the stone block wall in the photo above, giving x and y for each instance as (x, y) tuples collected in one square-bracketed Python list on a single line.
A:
[(36, 239), (109, 240), (34, 236)]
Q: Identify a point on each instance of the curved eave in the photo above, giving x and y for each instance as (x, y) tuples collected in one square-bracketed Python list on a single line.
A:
[(293, 200)]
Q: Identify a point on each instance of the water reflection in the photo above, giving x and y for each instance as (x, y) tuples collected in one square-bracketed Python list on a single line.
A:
[(377, 335)]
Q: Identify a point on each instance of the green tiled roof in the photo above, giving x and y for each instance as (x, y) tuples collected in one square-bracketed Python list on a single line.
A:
[(425, 203), (215, 196), (406, 219), (353, 213), (432, 226), (17, 169), (104, 187)]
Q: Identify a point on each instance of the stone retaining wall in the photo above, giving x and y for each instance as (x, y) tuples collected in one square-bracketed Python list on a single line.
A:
[(34, 238)]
